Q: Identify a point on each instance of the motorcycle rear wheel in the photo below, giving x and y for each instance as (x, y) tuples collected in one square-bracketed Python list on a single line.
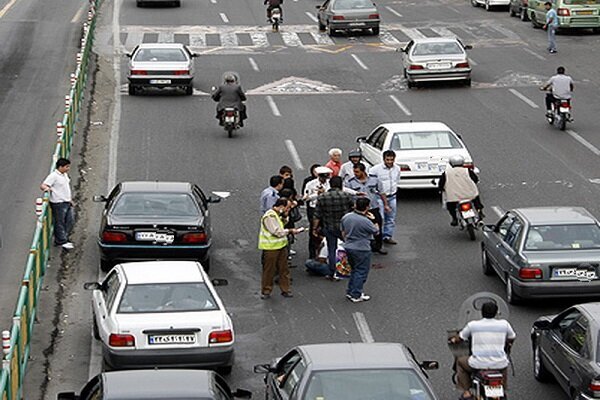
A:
[(230, 131), (471, 231), (563, 124)]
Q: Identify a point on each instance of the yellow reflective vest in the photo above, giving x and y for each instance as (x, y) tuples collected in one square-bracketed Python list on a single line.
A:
[(268, 241)]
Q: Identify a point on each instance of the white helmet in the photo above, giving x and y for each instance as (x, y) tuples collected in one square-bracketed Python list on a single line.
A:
[(456, 160)]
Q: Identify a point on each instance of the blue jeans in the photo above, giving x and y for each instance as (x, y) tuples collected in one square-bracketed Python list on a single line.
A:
[(552, 38), (360, 261), (317, 267), (389, 218), (62, 215), (332, 235)]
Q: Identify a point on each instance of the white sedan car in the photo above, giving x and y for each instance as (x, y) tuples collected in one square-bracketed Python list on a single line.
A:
[(422, 150), (488, 4), (161, 313)]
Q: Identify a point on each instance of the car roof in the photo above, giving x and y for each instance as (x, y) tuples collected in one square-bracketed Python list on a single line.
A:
[(161, 46), (157, 384), (416, 126), (356, 356), (556, 215), (435, 40), (156, 186), (162, 272)]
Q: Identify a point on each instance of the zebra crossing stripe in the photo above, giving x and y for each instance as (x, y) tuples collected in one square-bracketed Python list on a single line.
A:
[(322, 38), (259, 39), (166, 37), (197, 40), (444, 32), (133, 39), (291, 39), (388, 39), (412, 33), (229, 39)]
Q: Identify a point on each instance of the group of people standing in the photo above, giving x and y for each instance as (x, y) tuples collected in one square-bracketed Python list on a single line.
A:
[(350, 209)]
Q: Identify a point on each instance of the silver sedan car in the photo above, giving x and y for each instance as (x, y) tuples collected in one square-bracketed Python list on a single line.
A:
[(544, 252), (436, 59), (348, 15), (161, 65)]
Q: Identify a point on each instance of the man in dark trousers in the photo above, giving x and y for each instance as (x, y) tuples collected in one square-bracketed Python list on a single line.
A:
[(230, 94), (274, 4), (331, 207)]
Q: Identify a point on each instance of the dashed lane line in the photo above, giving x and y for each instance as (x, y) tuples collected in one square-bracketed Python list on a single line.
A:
[(396, 13), (497, 210), (7, 7), (253, 64), (311, 16), (77, 15), (224, 17), (584, 142), (521, 96), (401, 106), (273, 105), (533, 53), (359, 62), (294, 153), (363, 327)]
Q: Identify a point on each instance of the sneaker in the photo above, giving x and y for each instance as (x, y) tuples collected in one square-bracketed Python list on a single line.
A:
[(548, 113), (552, 51), (67, 246), (287, 294), (454, 222), (380, 251), (265, 296), (363, 297), (292, 252), (389, 241)]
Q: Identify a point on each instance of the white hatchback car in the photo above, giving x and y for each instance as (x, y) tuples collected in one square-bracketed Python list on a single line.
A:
[(161, 313), (422, 150)]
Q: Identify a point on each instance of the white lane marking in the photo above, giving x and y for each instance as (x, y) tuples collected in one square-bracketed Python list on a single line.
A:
[(401, 106), (291, 39), (295, 157), (133, 39), (363, 327), (7, 7), (359, 62), (213, 1), (412, 33), (388, 39), (253, 64), (444, 32), (533, 53), (259, 39), (454, 9), (497, 210), (116, 115), (229, 39), (473, 62), (311, 16), (224, 18), (274, 108), (584, 142), (524, 98), (396, 13), (166, 37), (322, 38), (197, 40), (78, 13)]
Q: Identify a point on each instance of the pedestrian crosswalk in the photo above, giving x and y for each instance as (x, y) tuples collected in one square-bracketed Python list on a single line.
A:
[(247, 39)]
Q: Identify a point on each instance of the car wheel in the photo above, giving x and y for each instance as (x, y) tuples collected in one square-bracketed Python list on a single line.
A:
[(468, 82), (534, 21), (485, 262), (575, 394), (524, 15), (177, 3), (189, 90), (225, 370), (511, 12), (132, 90), (511, 296), (540, 372), (139, 3), (375, 30), (330, 30), (596, 30), (106, 265), (205, 264), (95, 330), (474, 3)]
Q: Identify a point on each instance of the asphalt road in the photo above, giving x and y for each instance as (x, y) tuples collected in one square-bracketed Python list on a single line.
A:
[(340, 90), (39, 41)]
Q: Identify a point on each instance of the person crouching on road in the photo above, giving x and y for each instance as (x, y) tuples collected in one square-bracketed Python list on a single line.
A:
[(358, 229), (272, 240), (57, 184), (459, 183), (320, 264)]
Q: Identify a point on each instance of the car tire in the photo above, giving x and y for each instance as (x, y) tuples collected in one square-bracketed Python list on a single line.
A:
[(540, 373), (139, 3), (534, 22), (474, 3), (132, 90), (330, 30), (410, 84), (205, 264), (95, 331), (468, 82), (511, 296), (375, 30), (106, 265), (486, 265), (189, 90), (177, 3), (575, 394), (225, 370), (596, 30), (511, 12), (523, 15)]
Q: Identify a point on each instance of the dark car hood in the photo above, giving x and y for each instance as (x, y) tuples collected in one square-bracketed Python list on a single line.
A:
[(127, 220)]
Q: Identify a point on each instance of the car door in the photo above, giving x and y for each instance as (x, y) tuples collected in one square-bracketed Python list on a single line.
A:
[(510, 246), (203, 203), (406, 55), (287, 377), (105, 299), (494, 240), (322, 14), (373, 146)]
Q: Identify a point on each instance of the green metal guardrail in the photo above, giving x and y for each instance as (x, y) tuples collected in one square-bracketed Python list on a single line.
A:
[(15, 343)]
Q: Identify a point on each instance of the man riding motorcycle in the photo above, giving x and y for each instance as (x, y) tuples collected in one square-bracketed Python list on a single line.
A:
[(490, 338), (459, 183), (274, 4), (562, 88), (230, 94)]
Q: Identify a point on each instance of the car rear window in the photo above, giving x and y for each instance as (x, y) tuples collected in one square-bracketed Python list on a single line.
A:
[(160, 55), (563, 237), (352, 4), (367, 384), (424, 141), (155, 204), (166, 297), (427, 49)]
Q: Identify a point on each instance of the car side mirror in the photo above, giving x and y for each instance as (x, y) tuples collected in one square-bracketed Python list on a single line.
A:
[(67, 396), (220, 282), (543, 324), (128, 55), (99, 199), (92, 286), (402, 49), (468, 47), (429, 365), (361, 139), (213, 199), (263, 368), (242, 394)]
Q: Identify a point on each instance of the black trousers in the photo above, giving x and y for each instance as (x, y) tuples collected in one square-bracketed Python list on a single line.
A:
[(377, 242), (313, 242)]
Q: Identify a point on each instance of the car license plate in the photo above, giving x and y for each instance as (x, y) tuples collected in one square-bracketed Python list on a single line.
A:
[(468, 214), (438, 66), (434, 167), (229, 119), (585, 12), (157, 237), (579, 274), (563, 109), (356, 24), (160, 81), (494, 391), (172, 339)]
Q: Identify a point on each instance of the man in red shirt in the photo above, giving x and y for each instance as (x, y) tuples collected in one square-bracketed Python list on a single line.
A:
[(335, 161)]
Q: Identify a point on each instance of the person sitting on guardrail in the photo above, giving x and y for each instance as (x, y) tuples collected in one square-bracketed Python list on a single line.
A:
[(58, 186)]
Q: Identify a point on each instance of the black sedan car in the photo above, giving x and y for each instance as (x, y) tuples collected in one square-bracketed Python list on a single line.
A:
[(348, 371), (565, 346), (156, 385), (155, 220)]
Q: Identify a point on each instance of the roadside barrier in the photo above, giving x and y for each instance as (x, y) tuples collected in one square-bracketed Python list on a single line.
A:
[(16, 341)]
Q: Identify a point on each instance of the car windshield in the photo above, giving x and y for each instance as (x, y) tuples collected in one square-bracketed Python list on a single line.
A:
[(563, 237), (167, 297), (424, 141), (428, 49), (400, 384), (155, 204), (352, 4), (160, 55)]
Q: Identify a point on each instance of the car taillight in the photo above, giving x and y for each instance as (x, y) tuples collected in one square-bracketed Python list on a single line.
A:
[(220, 337), (465, 206), (595, 387), (563, 12), (469, 165), (182, 72), (413, 66), (108, 236), (530, 273), (338, 17), (116, 340), (194, 238), (138, 72), (404, 167), (374, 16), (462, 65)]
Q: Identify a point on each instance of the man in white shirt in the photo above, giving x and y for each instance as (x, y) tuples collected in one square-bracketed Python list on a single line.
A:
[(347, 170), (57, 184), (489, 337), (562, 88), (388, 174)]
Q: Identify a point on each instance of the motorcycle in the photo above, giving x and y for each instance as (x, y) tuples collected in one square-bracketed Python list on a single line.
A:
[(560, 113), (230, 118), (276, 18), (468, 217), (486, 384)]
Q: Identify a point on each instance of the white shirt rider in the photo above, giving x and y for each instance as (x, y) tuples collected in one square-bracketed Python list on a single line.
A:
[(488, 338)]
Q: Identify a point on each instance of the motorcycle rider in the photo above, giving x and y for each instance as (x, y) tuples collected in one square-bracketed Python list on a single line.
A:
[(230, 94), (490, 338), (459, 183), (562, 88), (274, 4)]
